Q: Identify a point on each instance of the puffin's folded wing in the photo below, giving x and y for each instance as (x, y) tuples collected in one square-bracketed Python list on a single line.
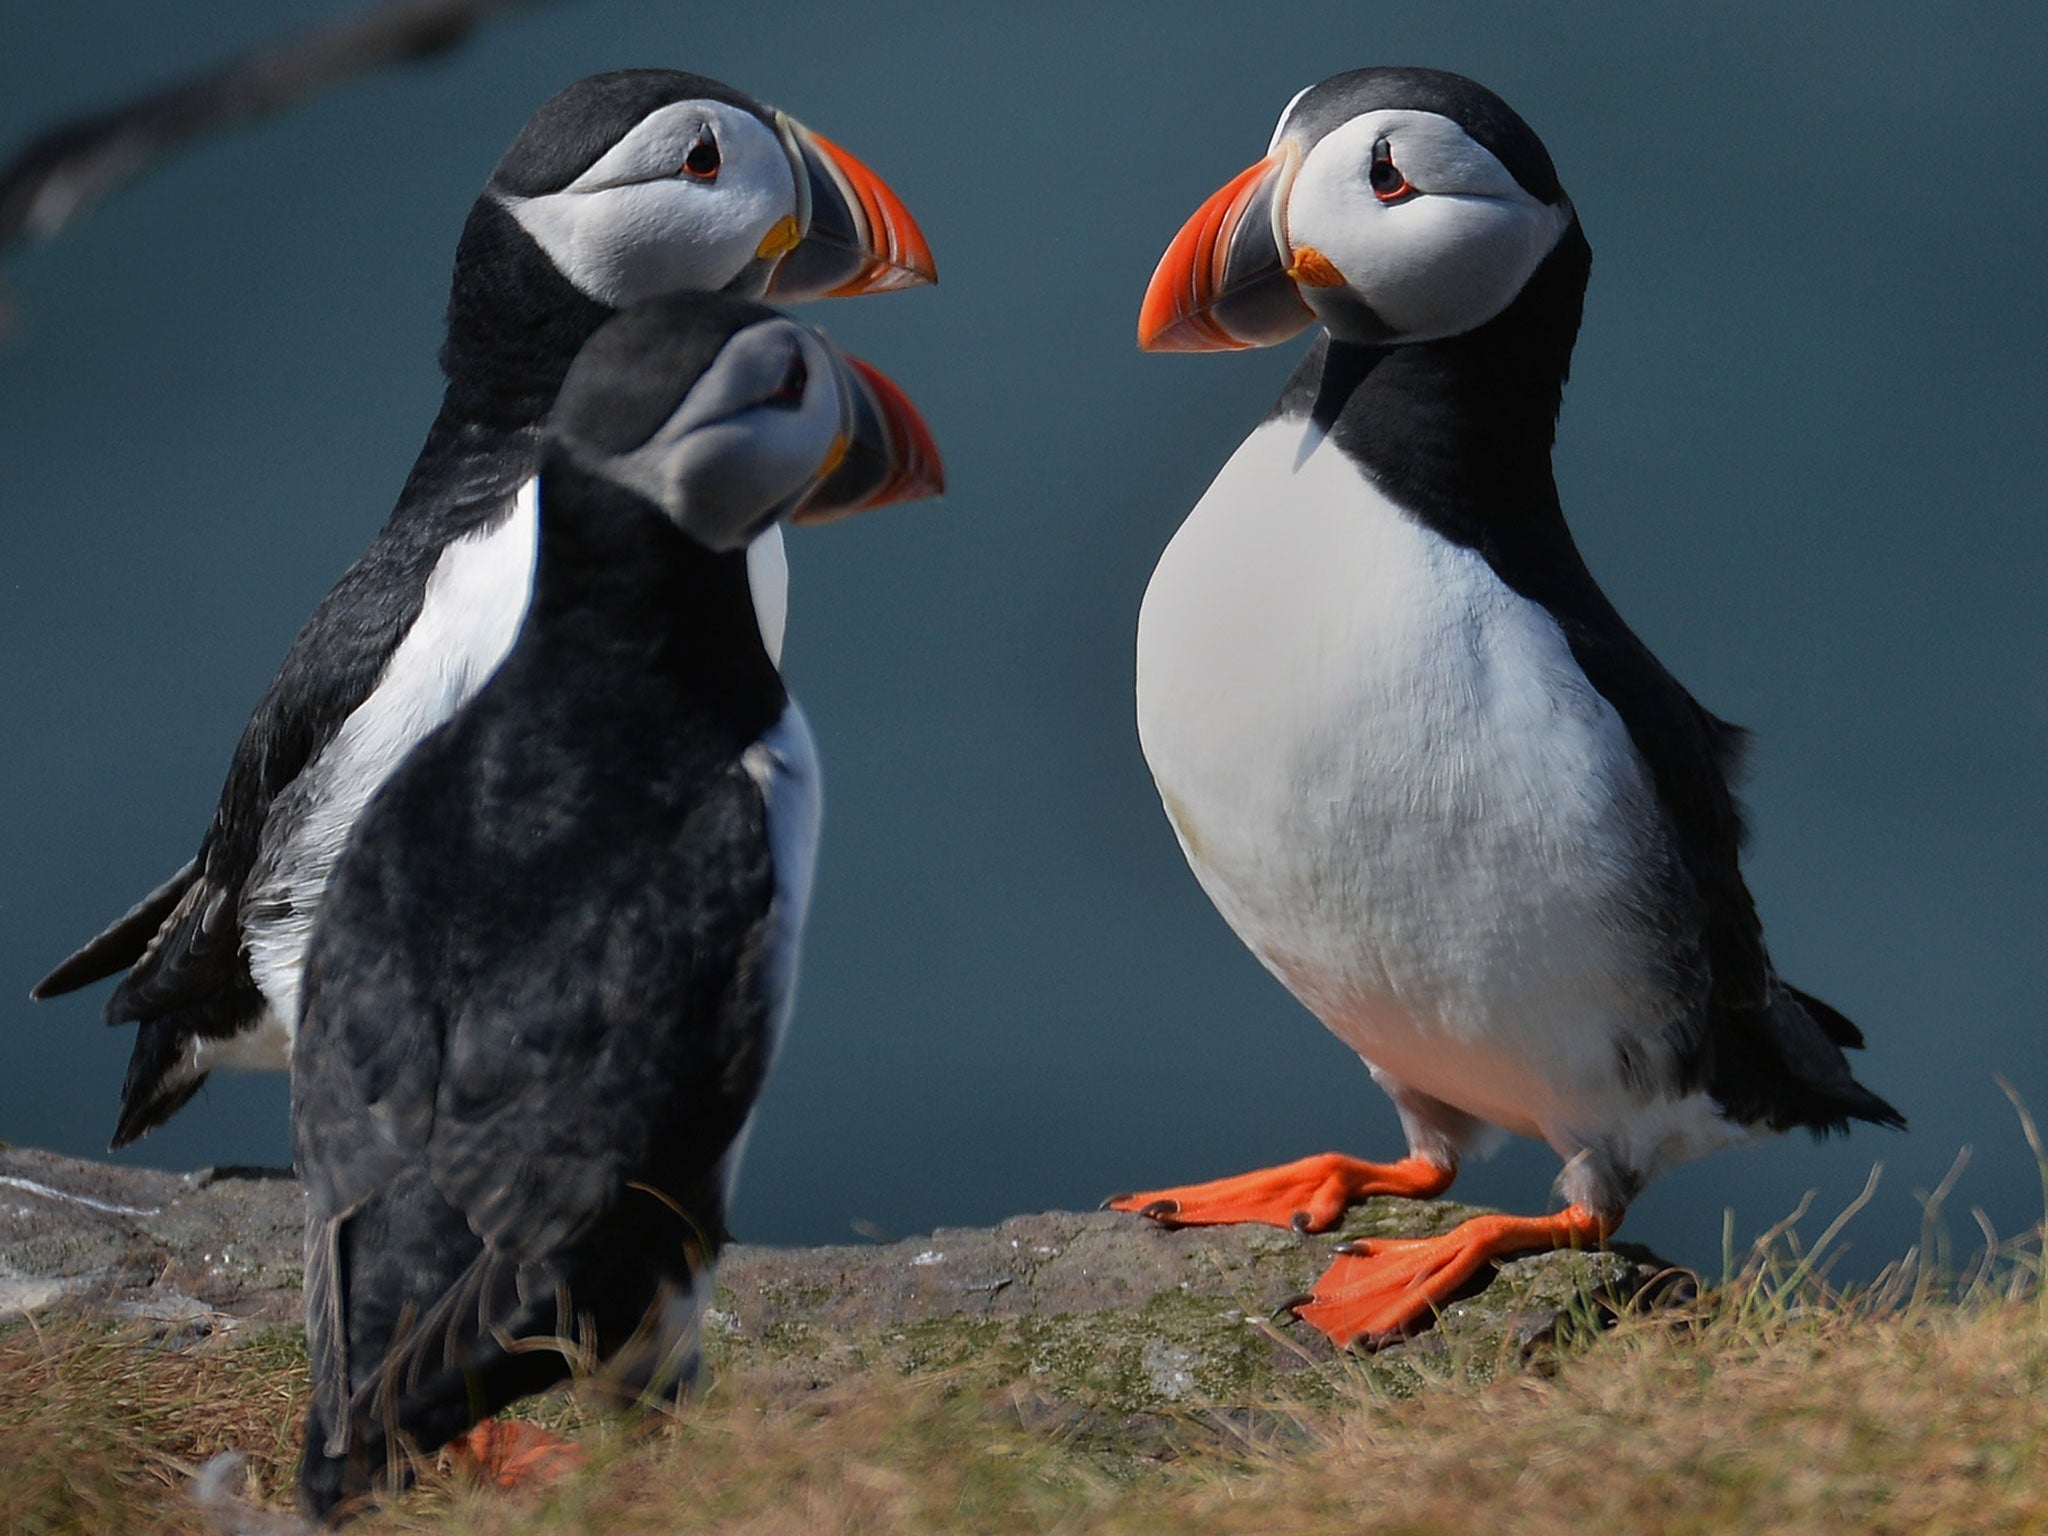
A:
[(1692, 756)]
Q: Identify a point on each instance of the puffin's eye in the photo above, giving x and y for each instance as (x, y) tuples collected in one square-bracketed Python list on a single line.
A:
[(789, 394), (701, 163), (1388, 184)]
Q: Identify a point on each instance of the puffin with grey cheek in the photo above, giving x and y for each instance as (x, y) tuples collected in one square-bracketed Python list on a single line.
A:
[(556, 960), (621, 187), (1411, 752)]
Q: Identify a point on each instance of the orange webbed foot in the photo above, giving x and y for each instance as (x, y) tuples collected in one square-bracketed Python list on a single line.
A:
[(513, 1454), (1309, 1195), (1381, 1289)]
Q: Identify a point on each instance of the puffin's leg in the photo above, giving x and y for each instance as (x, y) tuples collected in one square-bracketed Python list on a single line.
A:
[(658, 1360), (1309, 1195), (513, 1454), (1382, 1288), (1312, 1195)]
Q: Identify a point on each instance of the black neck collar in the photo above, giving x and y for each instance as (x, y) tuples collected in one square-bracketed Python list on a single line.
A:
[(514, 324), (614, 577), (1457, 432)]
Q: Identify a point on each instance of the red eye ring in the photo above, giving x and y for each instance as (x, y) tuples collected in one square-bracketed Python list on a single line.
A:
[(789, 393), (701, 163), (1385, 178)]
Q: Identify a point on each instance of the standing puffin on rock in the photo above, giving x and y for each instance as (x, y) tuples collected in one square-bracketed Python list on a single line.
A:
[(557, 957), (621, 187), (1410, 750)]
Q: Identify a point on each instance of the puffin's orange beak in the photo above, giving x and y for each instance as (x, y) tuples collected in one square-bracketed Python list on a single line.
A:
[(855, 235), (1223, 283), (886, 454)]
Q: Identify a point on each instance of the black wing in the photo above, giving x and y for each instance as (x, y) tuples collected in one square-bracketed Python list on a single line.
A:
[(1692, 757), (189, 976), (1767, 1052)]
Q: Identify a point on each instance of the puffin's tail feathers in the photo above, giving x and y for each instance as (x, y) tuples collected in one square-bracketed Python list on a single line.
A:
[(121, 943), (1836, 1024), (161, 1080), (1781, 1066), (176, 1014)]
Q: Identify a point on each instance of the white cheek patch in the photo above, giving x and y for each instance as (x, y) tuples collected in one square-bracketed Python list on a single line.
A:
[(630, 227), (1450, 264), (720, 465), (1441, 262), (746, 368)]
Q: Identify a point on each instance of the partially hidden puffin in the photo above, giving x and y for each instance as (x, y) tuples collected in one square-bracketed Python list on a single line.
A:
[(622, 186), (1410, 750), (557, 957)]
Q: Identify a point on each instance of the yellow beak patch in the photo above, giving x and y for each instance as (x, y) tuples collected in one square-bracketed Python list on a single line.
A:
[(783, 237)]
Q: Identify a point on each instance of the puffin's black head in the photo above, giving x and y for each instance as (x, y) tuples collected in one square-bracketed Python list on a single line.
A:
[(729, 416), (1394, 205), (647, 181)]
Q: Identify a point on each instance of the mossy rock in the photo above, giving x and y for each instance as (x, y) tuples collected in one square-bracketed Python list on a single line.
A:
[(1107, 1314), (1097, 1318)]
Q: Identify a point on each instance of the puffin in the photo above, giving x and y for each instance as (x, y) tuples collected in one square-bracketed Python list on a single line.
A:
[(623, 186), (1412, 754), (557, 958)]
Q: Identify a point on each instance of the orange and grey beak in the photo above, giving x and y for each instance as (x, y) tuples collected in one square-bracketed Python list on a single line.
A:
[(885, 452), (1224, 283), (851, 234)]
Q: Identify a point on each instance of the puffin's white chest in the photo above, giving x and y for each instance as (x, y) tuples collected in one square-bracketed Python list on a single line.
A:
[(1395, 783), (469, 616)]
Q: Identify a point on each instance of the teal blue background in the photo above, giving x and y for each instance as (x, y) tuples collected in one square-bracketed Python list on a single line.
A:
[(1803, 449)]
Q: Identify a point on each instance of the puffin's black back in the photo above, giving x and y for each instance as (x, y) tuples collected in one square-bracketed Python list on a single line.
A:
[(535, 1016)]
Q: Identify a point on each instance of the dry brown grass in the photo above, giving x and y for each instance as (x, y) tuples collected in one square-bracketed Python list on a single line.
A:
[(1775, 1405), (101, 1427), (1932, 1418)]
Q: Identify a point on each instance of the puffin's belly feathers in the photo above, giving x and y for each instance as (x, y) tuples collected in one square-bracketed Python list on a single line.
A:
[(1399, 789)]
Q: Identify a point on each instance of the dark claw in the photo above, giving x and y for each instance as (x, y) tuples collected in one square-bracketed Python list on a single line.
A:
[(1160, 1210), (1299, 1221), (1292, 1305), (1357, 1248)]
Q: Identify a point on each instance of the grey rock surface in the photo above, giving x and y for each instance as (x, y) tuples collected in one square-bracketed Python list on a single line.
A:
[(1100, 1310), (141, 1242)]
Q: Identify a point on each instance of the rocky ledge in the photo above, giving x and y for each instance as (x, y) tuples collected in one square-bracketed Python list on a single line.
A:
[(1100, 1313)]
